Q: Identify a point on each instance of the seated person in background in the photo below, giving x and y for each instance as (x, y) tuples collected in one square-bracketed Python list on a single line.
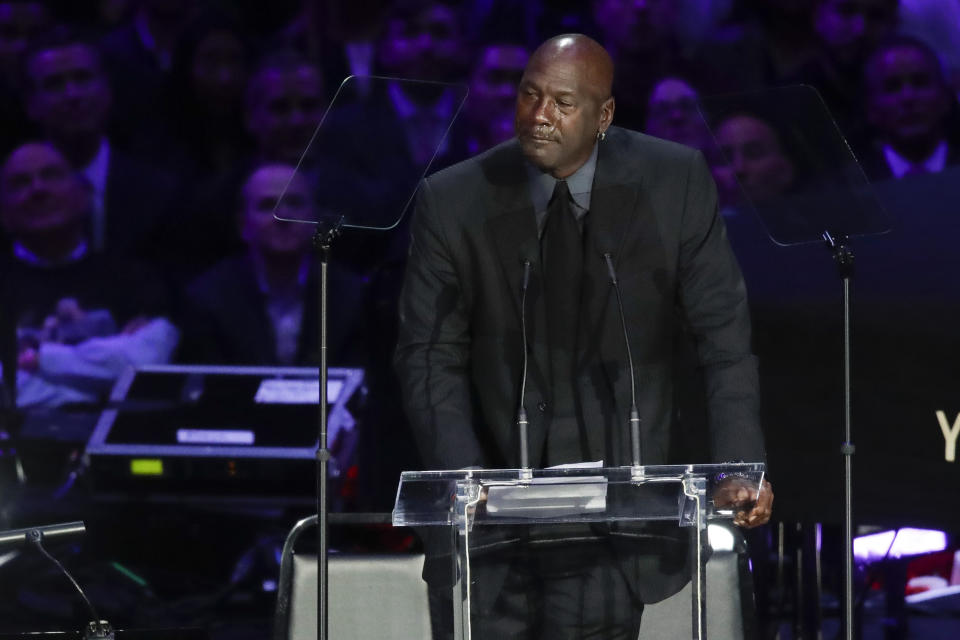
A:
[(672, 114), (260, 308), (69, 97), (755, 160), (911, 111), (284, 104), (81, 318), (847, 30), (493, 95)]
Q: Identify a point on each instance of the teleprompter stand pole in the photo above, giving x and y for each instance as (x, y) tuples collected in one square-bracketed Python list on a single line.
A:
[(843, 256), (323, 238)]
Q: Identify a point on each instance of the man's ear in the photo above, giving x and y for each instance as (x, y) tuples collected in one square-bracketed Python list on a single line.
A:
[(606, 113)]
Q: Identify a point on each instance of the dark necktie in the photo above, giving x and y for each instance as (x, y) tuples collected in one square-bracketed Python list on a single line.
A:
[(562, 249)]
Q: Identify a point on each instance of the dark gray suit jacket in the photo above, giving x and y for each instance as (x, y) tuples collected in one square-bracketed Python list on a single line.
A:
[(653, 207)]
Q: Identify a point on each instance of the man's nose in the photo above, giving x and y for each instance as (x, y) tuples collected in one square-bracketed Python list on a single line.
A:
[(543, 112)]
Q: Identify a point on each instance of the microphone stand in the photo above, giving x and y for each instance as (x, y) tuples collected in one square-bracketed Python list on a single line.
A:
[(323, 237), (843, 256), (636, 471), (95, 629), (525, 472)]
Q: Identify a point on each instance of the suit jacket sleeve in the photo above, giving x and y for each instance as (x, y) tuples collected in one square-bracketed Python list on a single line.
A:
[(714, 303), (433, 350)]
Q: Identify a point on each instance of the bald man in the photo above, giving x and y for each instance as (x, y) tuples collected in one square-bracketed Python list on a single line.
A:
[(651, 205)]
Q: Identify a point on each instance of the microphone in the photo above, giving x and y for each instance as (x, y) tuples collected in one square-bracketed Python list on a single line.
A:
[(96, 628), (634, 414), (521, 410)]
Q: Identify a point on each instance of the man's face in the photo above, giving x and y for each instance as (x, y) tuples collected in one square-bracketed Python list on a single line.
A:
[(672, 113), (284, 110), (427, 46), (907, 98), (69, 93), (634, 25), (755, 157), (19, 21), (260, 229), (850, 28), (219, 71), (39, 192), (560, 109), (493, 90)]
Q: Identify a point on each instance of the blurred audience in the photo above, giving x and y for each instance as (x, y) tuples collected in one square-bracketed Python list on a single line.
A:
[(81, 318), (20, 22), (672, 114), (139, 57), (490, 107), (762, 44), (69, 97), (911, 111), (260, 307), (425, 42), (641, 37), (847, 31), (755, 160), (284, 103)]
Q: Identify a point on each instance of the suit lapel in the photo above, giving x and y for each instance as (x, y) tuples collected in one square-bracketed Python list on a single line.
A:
[(514, 234), (615, 215)]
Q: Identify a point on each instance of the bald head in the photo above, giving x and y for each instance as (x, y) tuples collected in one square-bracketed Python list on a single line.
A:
[(564, 103), (586, 53)]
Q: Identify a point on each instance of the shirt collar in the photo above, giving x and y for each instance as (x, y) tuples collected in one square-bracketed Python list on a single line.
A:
[(406, 108), (900, 166), (96, 171), (580, 184), (25, 255)]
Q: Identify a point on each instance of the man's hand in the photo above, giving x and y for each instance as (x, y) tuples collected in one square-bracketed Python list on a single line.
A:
[(739, 493)]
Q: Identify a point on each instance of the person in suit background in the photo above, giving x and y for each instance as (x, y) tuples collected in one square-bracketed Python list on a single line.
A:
[(566, 191), (260, 307), (911, 111), (69, 96), (80, 317)]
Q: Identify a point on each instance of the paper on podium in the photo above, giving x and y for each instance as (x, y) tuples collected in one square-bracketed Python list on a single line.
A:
[(549, 497)]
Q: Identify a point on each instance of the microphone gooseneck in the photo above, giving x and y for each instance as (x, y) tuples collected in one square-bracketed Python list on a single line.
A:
[(634, 414), (521, 410)]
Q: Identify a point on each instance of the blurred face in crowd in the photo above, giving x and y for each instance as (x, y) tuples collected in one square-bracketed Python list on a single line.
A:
[(39, 192), (493, 90), (284, 107), (908, 99), (634, 25), (426, 46), (672, 114), (261, 231), (19, 21), (849, 28), (69, 94), (563, 102), (756, 159), (219, 71)]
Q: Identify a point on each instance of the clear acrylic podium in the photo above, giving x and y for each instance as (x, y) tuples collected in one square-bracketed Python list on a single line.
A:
[(467, 500)]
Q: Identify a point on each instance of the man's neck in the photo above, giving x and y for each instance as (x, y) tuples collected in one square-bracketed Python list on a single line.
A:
[(53, 247)]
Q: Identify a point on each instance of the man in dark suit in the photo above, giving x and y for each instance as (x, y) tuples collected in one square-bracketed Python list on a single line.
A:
[(68, 95), (651, 205), (260, 307)]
